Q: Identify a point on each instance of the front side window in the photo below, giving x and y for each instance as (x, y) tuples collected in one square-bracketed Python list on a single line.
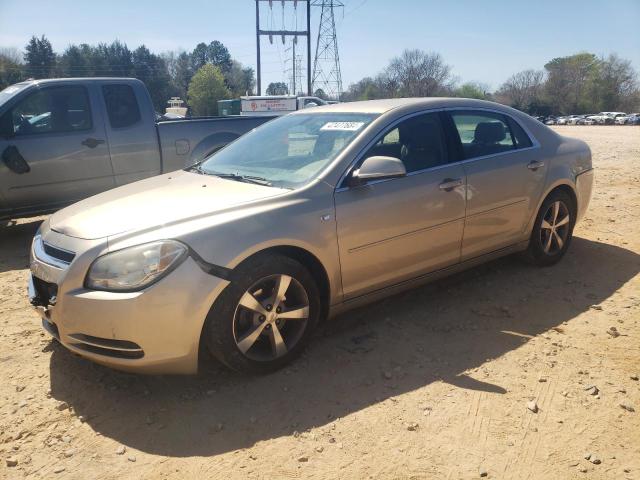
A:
[(122, 106), (289, 151), (487, 133), (418, 141), (51, 110)]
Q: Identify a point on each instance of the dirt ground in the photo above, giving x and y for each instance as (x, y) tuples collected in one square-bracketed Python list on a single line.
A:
[(433, 383)]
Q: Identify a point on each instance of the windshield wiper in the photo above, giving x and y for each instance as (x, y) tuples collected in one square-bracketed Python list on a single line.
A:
[(240, 178)]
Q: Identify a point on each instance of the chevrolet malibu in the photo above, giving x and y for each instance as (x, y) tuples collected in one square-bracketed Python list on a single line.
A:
[(302, 218)]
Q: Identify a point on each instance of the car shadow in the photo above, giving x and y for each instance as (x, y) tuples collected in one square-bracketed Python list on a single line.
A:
[(440, 332), (15, 240)]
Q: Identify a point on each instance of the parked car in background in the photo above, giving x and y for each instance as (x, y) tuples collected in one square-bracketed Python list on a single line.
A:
[(562, 120), (634, 119), (588, 121), (550, 121), (304, 217), (66, 139)]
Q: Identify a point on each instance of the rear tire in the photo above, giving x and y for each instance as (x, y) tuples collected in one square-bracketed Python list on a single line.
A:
[(263, 319), (553, 230)]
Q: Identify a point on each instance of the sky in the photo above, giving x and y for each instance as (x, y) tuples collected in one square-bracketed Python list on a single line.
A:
[(484, 41)]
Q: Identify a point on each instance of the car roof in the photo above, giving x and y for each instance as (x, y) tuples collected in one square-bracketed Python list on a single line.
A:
[(407, 104)]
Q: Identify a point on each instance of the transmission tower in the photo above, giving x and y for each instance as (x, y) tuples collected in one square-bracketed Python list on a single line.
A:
[(326, 65)]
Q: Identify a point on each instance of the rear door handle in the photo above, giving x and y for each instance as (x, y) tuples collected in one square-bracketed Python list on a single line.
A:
[(92, 142), (449, 184), (535, 165)]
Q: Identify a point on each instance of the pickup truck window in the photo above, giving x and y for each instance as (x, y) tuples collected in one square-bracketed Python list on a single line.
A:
[(52, 110), (122, 106)]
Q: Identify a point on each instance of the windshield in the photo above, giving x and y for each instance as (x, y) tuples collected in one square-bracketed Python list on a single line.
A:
[(11, 91), (289, 151)]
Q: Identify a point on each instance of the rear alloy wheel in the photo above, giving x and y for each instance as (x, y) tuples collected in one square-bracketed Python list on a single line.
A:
[(264, 317), (553, 229)]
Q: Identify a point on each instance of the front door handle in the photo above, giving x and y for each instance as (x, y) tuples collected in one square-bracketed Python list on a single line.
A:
[(535, 165), (92, 142), (449, 184)]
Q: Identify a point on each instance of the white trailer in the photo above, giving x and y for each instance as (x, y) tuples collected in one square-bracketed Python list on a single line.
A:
[(276, 104)]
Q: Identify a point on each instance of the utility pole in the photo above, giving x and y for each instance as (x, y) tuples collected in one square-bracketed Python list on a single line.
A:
[(283, 33), (326, 64)]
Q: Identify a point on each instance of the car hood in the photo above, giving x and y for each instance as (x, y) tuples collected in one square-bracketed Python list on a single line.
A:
[(156, 201)]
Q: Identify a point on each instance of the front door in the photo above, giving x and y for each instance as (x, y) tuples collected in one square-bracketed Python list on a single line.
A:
[(504, 180), (394, 230), (54, 152)]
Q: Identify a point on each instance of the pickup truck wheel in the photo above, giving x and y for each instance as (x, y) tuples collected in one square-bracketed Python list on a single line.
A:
[(553, 230), (265, 316)]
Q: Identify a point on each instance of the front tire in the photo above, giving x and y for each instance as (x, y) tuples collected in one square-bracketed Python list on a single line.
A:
[(553, 230), (265, 316)]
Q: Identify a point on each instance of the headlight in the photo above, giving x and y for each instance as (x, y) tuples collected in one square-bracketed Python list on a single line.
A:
[(135, 268)]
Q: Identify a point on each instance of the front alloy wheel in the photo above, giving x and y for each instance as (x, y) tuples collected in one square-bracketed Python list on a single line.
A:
[(270, 317), (262, 320)]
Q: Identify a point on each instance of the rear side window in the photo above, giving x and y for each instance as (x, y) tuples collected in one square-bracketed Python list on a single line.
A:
[(51, 110), (482, 133), (122, 106)]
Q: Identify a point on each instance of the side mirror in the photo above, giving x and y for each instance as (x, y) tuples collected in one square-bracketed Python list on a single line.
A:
[(377, 168)]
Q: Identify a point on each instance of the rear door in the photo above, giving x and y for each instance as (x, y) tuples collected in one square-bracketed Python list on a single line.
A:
[(132, 132), (505, 176), (56, 153)]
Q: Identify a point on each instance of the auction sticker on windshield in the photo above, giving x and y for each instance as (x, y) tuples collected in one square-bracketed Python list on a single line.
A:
[(343, 126)]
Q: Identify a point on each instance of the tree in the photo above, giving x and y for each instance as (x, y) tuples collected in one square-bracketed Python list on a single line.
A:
[(218, 55), (277, 88), (568, 81), (239, 79), (206, 88), (74, 62), (366, 89), (151, 69), (199, 56), (416, 73), (11, 68), (182, 74), (523, 90), (473, 90), (615, 86), (39, 57)]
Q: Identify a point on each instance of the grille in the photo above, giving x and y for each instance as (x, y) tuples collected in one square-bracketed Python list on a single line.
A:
[(46, 292), (107, 346), (58, 253)]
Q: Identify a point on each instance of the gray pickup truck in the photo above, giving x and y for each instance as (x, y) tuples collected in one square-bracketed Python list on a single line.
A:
[(62, 140)]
